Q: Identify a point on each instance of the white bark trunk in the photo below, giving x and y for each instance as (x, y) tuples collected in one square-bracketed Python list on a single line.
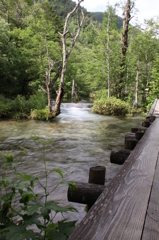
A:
[(137, 84), (66, 55), (73, 87)]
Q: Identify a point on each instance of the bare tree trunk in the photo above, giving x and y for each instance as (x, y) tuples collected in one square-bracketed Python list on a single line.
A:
[(73, 87), (66, 55), (108, 27), (76, 92), (48, 91), (147, 76), (124, 43), (106, 47), (48, 85), (137, 84)]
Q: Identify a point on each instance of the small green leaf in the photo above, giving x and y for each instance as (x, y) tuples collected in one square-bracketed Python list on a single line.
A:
[(32, 219), (69, 183), (9, 158), (8, 197), (33, 208), (57, 171), (51, 205), (25, 176), (45, 213), (14, 165), (17, 232), (67, 227), (52, 234), (26, 197)]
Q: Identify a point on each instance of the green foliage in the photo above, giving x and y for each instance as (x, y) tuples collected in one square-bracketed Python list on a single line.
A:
[(37, 101), (103, 94), (110, 106), (41, 114), (23, 213), (20, 106), (24, 24)]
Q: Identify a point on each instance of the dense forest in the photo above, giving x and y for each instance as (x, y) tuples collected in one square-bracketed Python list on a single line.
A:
[(30, 43)]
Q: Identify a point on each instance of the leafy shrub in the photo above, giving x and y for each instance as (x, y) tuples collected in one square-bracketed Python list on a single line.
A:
[(4, 106), (41, 114), (20, 106), (37, 101), (110, 106), (21, 209), (99, 94)]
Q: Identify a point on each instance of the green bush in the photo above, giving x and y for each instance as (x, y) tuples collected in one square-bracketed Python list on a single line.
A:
[(110, 106), (4, 106), (20, 106), (37, 101), (41, 114)]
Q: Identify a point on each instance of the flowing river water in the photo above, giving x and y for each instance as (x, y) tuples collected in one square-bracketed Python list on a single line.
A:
[(79, 139)]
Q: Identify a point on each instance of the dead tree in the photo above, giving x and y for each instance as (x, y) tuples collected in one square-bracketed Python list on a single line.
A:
[(49, 84), (124, 46), (137, 84), (76, 92), (73, 88), (67, 54), (47, 75)]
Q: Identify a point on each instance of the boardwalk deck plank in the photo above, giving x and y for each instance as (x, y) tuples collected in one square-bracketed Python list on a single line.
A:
[(151, 229), (119, 212)]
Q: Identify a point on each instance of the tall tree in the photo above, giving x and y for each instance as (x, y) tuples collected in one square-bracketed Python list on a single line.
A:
[(66, 53), (124, 46), (107, 38)]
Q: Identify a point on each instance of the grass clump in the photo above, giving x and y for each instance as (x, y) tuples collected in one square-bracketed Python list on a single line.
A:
[(41, 114), (110, 106)]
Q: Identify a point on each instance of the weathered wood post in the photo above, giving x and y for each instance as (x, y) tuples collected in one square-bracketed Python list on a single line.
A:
[(130, 141), (96, 176), (146, 123), (119, 156), (86, 193)]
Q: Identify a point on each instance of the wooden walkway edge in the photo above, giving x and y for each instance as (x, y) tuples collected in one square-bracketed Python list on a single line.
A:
[(128, 209)]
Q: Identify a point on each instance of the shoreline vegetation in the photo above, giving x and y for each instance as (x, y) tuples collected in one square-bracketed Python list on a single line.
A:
[(34, 108)]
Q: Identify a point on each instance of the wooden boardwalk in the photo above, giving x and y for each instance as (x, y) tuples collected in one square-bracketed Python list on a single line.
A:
[(128, 209)]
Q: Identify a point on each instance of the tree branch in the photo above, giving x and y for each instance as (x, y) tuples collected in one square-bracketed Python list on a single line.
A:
[(77, 34)]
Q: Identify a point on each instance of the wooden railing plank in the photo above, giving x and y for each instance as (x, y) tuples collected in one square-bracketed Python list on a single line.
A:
[(152, 109), (151, 228), (119, 212)]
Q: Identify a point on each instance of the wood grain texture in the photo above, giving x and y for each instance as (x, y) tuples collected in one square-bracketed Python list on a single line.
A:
[(119, 213), (151, 228)]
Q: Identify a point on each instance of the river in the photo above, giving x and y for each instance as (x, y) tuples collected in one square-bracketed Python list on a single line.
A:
[(79, 139)]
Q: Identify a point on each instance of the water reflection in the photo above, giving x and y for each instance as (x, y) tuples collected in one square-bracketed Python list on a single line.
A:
[(81, 139)]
